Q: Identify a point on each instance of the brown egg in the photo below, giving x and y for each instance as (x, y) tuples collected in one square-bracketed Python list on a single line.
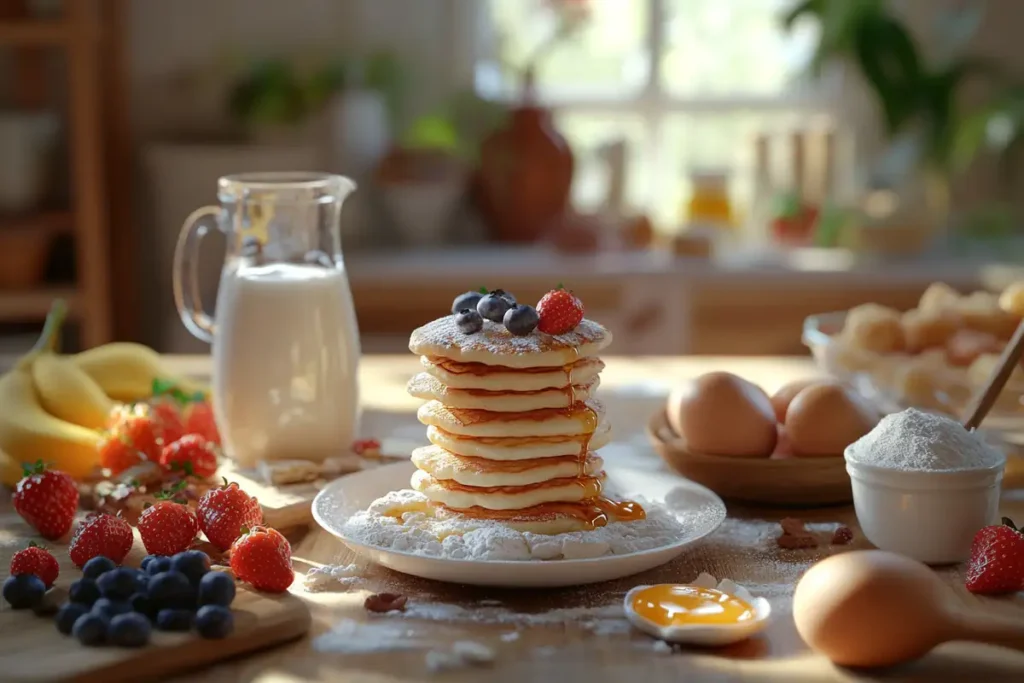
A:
[(722, 414), (824, 419), (785, 395)]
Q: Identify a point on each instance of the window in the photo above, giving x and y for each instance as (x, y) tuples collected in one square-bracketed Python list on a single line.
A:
[(686, 84)]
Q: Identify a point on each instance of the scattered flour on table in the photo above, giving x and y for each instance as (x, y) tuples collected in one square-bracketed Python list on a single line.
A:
[(419, 532), (463, 653), (913, 440), (330, 576), (356, 637)]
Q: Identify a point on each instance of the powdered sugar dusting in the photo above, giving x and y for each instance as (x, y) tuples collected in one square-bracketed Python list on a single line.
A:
[(913, 440), (403, 521), (442, 336)]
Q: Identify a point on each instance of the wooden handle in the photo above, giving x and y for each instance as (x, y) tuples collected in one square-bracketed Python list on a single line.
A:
[(990, 629), (986, 398)]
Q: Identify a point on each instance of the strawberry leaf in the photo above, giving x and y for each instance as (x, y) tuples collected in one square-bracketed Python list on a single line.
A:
[(482, 290), (1009, 522)]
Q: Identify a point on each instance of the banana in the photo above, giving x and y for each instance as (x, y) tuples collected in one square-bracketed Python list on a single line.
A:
[(68, 393), (126, 371), (28, 433)]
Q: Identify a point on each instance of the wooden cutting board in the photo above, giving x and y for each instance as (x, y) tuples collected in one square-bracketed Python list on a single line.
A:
[(31, 648)]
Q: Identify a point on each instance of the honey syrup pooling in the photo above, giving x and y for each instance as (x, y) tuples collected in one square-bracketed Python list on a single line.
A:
[(678, 605)]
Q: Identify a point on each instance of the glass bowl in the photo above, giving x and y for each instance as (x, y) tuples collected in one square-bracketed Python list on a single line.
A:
[(894, 382)]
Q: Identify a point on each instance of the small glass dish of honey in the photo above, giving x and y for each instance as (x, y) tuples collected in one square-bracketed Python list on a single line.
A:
[(704, 612)]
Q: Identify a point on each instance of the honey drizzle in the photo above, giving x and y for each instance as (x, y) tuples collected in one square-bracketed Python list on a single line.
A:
[(591, 486), (592, 512)]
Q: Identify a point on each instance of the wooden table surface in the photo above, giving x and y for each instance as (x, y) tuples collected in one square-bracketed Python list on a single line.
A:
[(597, 646)]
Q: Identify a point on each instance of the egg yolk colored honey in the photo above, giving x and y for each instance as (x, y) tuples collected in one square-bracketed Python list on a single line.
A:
[(677, 605)]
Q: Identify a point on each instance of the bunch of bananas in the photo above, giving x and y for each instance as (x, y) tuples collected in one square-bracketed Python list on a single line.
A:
[(55, 407)]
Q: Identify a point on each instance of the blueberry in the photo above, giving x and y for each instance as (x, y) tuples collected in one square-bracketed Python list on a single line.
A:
[(521, 320), (118, 584), (96, 566), (216, 588), (158, 564), (171, 589), (142, 604), (84, 591), (214, 621), (68, 615), (111, 608), (467, 300), (507, 296), (129, 630), (145, 561), (469, 321), (24, 591), (90, 629), (192, 563), (493, 306), (174, 619)]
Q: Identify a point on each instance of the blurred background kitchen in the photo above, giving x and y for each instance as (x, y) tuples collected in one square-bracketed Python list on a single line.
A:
[(704, 173)]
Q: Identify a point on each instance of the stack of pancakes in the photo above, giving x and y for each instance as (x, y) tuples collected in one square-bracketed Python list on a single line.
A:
[(513, 426)]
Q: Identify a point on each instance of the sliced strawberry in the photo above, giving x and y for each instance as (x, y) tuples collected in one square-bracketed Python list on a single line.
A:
[(199, 420), (192, 455)]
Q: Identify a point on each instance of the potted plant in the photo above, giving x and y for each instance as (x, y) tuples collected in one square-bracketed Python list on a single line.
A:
[(931, 135)]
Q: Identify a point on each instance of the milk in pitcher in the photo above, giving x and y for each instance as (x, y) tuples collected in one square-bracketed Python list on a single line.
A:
[(286, 350)]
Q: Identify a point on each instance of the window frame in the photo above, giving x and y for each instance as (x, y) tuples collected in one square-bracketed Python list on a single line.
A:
[(652, 103)]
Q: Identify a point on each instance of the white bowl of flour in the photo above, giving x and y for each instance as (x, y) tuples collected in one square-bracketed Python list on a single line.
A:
[(923, 485)]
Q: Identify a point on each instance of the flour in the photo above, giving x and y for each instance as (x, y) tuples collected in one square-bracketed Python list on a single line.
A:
[(463, 653), (404, 521), (341, 576), (913, 440), (354, 637)]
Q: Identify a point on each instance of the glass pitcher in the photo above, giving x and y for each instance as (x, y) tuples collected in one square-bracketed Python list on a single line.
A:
[(285, 338)]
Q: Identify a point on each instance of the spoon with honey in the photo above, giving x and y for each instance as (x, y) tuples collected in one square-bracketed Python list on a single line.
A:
[(872, 608)]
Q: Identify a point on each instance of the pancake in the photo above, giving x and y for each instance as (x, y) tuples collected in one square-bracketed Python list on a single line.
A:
[(518, 448), (456, 496), (503, 401), (456, 375), (494, 345), (440, 464), (583, 418)]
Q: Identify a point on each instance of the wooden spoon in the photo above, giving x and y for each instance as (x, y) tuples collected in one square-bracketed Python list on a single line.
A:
[(986, 398), (872, 608)]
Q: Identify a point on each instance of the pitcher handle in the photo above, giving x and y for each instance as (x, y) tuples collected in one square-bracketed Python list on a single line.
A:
[(187, 296)]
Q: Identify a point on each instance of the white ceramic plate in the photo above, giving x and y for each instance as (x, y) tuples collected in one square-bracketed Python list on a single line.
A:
[(346, 496)]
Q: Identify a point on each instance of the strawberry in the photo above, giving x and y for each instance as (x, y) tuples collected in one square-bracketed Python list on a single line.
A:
[(366, 447), (262, 557), (560, 311), (37, 561), (996, 564), (191, 454), (100, 534), (224, 511), (134, 436), (47, 500), (167, 415), (199, 420), (167, 528)]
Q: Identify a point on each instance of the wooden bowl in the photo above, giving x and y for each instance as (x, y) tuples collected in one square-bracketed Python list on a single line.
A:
[(788, 482)]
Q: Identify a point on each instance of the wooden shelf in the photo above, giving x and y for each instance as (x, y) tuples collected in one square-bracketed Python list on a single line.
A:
[(34, 33), (29, 305), (53, 222)]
